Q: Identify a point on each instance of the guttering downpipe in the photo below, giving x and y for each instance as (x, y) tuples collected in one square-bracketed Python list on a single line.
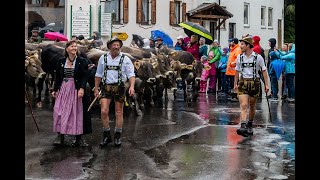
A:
[(219, 23)]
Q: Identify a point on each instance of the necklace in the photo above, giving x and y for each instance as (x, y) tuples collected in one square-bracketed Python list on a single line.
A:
[(72, 60)]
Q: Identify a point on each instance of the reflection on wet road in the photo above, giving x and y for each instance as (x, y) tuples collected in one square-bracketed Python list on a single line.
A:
[(175, 141)]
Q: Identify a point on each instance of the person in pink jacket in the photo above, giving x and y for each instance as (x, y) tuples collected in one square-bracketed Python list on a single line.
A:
[(205, 74)]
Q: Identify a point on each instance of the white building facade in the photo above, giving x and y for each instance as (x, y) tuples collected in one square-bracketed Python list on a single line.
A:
[(255, 17)]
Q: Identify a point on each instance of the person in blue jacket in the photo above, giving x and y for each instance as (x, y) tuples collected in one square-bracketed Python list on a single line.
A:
[(180, 45), (275, 69), (222, 69), (289, 71)]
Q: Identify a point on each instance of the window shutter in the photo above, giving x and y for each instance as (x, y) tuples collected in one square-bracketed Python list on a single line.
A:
[(153, 11), (139, 11), (184, 11), (172, 16), (125, 11)]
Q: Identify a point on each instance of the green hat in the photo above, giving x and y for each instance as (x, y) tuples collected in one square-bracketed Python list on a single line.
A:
[(113, 40)]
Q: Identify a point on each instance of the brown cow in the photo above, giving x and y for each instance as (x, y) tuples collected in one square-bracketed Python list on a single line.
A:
[(168, 79), (137, 53), (94, 55), (144, 70), (34, 72), (33, 64), (190, 72)]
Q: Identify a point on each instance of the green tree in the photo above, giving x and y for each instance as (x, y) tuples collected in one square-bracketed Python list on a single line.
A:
[(289, 20)]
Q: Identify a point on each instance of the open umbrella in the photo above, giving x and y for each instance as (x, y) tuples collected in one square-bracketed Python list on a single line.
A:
[(191, 28), (278, 66), (55, 35), (165, 37), (138, 40)]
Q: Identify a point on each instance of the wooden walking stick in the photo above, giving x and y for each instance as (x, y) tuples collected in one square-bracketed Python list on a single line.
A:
[(94, 100), (28, 99), (269, 107)]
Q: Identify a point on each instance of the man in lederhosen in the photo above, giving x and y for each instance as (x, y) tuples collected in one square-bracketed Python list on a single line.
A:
[(113, 70), (247, 83)]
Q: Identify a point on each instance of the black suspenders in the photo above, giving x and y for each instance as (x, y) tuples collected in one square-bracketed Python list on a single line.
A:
[(119, 68), (253, 64)]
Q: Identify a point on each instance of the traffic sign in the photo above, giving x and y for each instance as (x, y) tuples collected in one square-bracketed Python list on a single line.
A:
[(122, 36)]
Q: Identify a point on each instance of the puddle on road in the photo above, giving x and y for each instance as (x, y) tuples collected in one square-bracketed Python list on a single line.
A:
[(65, 162), (272, 154)]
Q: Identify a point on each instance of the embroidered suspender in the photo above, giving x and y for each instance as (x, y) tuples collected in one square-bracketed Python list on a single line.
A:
[(119, 68), (253, 64)]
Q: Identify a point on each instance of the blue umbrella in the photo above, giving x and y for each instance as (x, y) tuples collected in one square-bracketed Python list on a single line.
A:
[(165, 37), (278, 66)]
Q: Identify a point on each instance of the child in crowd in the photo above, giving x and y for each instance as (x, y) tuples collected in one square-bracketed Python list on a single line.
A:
[(205, 74)]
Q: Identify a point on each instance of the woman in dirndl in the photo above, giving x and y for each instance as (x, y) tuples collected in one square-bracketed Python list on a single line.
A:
[(70, 116)]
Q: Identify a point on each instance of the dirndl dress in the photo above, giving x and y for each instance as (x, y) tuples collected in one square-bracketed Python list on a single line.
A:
[(68, 108)]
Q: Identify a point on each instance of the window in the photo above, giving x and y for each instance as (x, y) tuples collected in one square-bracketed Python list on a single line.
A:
[(45, 15), (177, 12), (145, 11), (270, 17), (232, 30), (263, 16), (116, 7), (213, 31), (46, 3), (113, 7), (246, 14), (34, 2)]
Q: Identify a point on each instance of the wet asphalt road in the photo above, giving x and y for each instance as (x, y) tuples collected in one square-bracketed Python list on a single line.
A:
[(175, 141)]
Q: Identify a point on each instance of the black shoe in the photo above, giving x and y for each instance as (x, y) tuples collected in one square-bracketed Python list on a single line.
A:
[(59, 140), (249, 128), (243, 131), (273, 99), (117, 139), (79, 142), (249, 131), (284, 96), (106, 139), (210, 91)]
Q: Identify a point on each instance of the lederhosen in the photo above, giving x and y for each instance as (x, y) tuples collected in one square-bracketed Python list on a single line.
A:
[(250, 86), (115, 90)]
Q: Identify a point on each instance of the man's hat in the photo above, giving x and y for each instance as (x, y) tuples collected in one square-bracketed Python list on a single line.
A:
[(115, 38), (235, 40), (247, 39), (35, 29), (159, 38)]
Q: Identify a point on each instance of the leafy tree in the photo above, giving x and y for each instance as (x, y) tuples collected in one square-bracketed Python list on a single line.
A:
[(289, 20)]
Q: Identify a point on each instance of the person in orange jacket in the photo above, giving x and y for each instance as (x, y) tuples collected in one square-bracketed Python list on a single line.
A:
[(231, 65)]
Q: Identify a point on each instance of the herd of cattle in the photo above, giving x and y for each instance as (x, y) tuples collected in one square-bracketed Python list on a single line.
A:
[(157, 70)]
